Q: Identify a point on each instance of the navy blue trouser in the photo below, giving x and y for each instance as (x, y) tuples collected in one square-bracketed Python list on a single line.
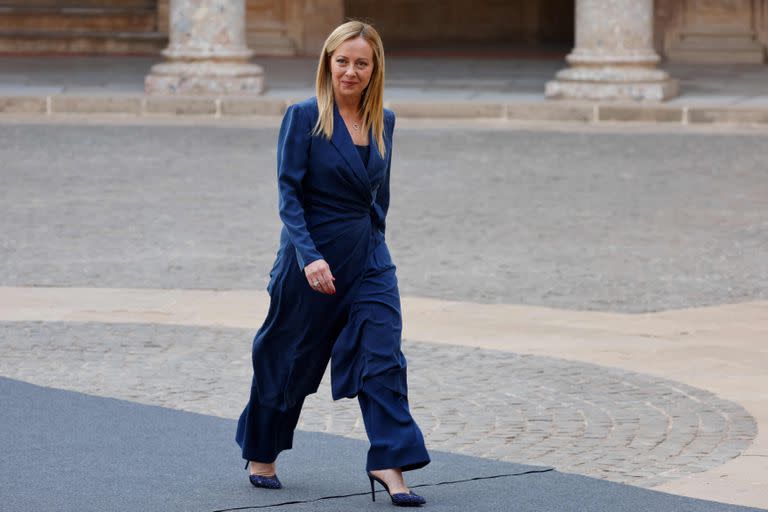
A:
[(396, 440)]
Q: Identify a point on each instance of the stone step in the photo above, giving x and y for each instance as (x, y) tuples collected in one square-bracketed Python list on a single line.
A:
[(60, 19), (148, 4), (80, 41)]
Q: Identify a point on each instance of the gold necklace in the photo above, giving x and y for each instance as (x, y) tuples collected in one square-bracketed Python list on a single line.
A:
[(355, 125)]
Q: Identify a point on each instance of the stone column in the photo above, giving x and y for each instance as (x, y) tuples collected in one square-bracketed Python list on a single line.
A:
[(614, 58), (207, 54)]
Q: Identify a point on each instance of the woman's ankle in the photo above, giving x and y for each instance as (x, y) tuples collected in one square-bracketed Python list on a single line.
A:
[(262, 468), (393, 477)]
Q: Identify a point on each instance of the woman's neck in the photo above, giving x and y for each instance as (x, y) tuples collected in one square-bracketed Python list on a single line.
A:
[(348, 105)]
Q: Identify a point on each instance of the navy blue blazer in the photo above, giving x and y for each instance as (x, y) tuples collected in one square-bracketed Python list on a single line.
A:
[(338, 191), (332, 207)]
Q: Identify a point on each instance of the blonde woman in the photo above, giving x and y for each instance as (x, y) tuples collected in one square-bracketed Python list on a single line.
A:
[(333, 289)]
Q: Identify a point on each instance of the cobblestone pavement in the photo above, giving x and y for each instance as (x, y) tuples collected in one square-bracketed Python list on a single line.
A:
[(582, 418), (626, 222)]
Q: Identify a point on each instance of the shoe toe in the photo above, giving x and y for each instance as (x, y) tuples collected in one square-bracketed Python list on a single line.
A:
[(408, 499), (265, 482)]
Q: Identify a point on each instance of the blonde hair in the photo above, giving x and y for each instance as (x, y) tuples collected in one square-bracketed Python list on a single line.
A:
[(372, 104)]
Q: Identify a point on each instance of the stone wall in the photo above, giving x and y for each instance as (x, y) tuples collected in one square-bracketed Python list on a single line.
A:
[(291, 27), (727, 31), (685, 30), (79, 26), (282, 27), (299, 27), (461, 23)]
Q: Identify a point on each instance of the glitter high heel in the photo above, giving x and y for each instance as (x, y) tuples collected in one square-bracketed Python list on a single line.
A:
[(266, 482), (400, 499)]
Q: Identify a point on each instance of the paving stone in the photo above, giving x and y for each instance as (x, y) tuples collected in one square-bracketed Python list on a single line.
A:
[(207, 370), (245, 106), (71, 104), (22, 105), (658, 114), (553, 111), (456, 110), (671, 203), (179, 105), (728, 115)]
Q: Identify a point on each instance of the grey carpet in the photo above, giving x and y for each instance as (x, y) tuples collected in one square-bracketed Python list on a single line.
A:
[(69, 451)]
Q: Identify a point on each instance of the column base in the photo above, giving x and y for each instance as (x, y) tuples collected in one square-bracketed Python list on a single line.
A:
[(612, 83), (210, 78)]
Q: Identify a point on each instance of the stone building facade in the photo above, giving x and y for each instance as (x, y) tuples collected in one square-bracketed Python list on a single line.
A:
[(614, 46), (684, 30)]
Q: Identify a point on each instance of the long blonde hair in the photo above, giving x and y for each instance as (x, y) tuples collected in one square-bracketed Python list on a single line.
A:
[(372, 104)]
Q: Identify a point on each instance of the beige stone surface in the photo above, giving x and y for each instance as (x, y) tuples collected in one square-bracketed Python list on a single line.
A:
[(180, 105), (267, 26), (636, 113), (59, 27), (204, 78), (96, 104), (721, 349), (22, 105), (239, 106), (588, 88), (163, 16), (716, 32), (310, 22), (457, 110), (63, 43), (743, 115), (550, 112)]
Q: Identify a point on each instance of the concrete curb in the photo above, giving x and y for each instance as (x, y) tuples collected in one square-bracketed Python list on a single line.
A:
[(242, 106)]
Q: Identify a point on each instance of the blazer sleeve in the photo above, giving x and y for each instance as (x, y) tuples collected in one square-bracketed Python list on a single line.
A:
[(382, 196), (292, 162)]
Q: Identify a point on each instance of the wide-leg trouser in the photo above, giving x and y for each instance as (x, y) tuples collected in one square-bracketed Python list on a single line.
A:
[(269, 431), (396, 440), (368, 364)]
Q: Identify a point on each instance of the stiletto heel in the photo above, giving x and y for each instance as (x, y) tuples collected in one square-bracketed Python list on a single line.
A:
[(400, 499), (266, 482), (373, 492)]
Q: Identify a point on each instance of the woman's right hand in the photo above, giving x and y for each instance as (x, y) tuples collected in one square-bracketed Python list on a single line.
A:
[(319, 272)]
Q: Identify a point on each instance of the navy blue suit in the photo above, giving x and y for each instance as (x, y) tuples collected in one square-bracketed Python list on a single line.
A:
[(333, 206)]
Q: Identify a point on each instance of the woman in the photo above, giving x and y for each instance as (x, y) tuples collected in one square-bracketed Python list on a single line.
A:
[(333, 289)]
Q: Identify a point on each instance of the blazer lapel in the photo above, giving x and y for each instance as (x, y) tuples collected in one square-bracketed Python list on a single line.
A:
[(342, 141), (375, 160)]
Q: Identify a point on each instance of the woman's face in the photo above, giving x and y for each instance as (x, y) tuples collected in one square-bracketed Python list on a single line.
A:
[(351, 67)]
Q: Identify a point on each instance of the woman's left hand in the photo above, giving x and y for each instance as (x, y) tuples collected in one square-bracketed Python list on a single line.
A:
[(319, 277)]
